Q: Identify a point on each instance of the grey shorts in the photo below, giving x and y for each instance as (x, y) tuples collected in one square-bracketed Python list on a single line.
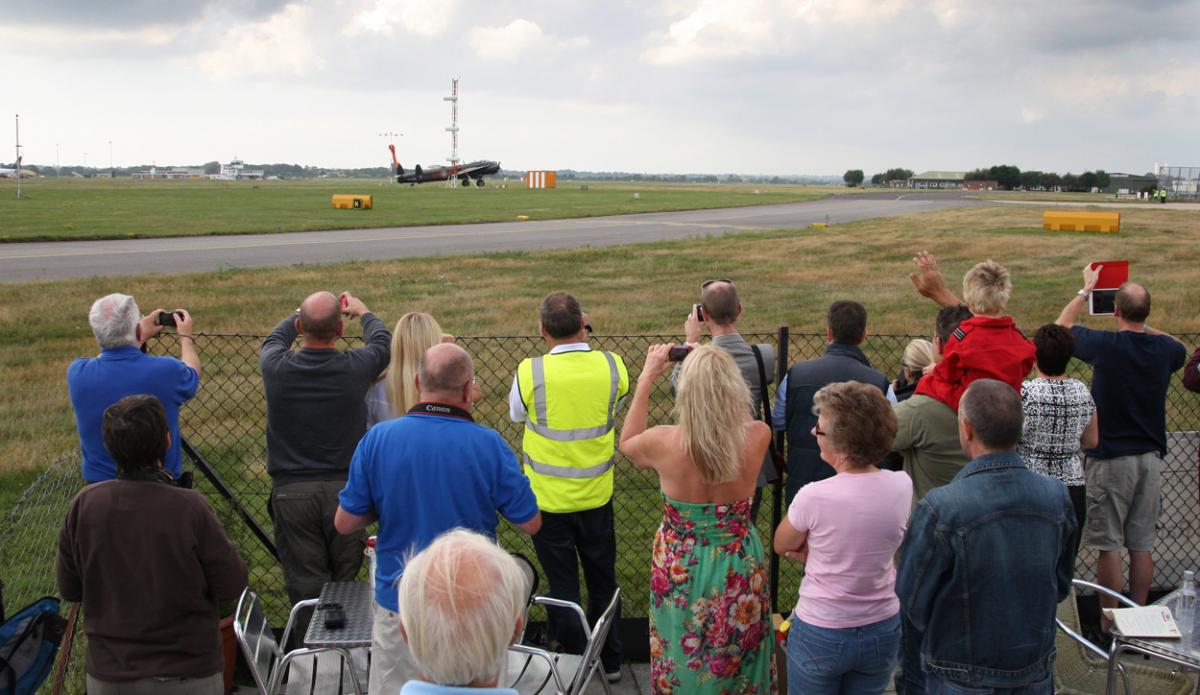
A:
[(1124, 500)]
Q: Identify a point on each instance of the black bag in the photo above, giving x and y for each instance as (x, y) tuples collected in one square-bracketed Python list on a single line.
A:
[(28, 642)]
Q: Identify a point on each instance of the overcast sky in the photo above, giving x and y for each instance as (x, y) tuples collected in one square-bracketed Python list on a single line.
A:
[(707, 86)]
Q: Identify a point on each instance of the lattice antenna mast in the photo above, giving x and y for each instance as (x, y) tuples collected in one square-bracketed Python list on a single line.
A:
[(452, 180)]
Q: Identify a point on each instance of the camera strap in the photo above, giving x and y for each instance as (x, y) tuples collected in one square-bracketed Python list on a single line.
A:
[(775, 455), (441, 410)]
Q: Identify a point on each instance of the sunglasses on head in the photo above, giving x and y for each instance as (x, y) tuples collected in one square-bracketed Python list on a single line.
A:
[(709, 282)]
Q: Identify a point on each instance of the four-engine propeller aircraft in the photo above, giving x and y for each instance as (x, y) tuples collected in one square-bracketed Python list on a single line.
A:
[(463, 172)]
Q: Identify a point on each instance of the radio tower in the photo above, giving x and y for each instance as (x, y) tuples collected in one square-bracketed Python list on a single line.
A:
[(453, 130)]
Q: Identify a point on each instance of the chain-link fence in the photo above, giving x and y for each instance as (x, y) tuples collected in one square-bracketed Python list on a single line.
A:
[(225, 423)]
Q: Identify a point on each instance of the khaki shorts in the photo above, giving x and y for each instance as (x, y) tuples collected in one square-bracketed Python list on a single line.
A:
[(1124, 500), (392, 663)]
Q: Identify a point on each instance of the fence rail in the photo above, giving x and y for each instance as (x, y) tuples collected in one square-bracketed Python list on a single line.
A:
[(226, 422)]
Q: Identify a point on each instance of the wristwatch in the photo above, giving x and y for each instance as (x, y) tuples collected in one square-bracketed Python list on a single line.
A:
[(1084, 293)]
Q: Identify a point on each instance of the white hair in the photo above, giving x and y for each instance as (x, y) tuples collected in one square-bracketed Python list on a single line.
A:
[(460, 602), (114, 319)]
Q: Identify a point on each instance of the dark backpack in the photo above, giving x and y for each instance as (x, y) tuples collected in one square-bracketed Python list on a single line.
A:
[(28, 642)]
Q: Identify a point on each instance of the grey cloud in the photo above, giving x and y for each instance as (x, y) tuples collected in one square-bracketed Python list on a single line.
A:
[(127, 14)]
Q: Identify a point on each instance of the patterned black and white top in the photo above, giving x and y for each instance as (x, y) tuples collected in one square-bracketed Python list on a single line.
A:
[(1056, 414)]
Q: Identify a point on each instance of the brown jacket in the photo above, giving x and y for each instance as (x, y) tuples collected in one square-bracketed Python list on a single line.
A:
[(148, 561)]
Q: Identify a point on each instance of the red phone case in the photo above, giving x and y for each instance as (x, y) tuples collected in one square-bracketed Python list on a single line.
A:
[(1113, 274)]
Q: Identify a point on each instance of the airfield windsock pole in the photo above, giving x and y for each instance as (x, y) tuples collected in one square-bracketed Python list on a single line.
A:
[(18, 167), (453, 130)]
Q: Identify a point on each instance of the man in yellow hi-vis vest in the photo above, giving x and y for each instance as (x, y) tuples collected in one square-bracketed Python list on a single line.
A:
[(568, 400)]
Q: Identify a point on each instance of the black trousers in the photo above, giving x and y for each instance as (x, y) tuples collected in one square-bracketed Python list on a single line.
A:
[(588, 536)]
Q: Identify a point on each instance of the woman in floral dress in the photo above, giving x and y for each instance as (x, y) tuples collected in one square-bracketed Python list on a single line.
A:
[(709, 611)]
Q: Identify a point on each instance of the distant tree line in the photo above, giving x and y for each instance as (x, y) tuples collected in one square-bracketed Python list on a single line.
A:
[(1006, 176), (897, 174)]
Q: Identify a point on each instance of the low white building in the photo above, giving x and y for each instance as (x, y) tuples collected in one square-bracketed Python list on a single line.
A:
[(236, 171)]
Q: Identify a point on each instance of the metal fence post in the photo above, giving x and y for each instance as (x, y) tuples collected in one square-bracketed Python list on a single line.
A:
[(781, 360)]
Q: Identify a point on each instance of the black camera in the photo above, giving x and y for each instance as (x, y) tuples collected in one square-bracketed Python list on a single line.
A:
[(678, 353), (167, 318)]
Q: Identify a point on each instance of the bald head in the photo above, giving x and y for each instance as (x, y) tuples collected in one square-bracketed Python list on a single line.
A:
[(1133, 302), (720, 302), (445, 369), (320, 318), (462, 602)]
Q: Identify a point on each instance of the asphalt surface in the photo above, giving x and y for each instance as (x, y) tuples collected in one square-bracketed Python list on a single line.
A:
[(28, 262)]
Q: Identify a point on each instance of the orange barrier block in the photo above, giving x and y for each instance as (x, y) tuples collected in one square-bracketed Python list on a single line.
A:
[(352, 202), (1072, 221)]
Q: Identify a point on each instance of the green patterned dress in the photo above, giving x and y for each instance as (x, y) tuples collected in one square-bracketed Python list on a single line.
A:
[(710, 629)]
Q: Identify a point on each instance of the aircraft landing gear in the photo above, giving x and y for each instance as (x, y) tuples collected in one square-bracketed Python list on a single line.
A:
[(465, 182), (479, 183)]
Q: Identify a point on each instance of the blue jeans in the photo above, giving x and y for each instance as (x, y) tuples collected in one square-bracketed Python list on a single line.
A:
[(940, 686), (855, 660)]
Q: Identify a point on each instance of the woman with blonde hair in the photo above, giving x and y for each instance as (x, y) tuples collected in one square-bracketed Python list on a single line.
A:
[(709, 613), (918, 356), (396, 390)]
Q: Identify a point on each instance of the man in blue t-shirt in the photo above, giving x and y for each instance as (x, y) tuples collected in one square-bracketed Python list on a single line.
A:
[(122, 369), (419, 476), (1131, 371)]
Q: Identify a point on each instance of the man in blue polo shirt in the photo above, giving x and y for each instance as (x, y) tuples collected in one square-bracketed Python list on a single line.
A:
[(419, 476), (1131, 373), (122, 369)]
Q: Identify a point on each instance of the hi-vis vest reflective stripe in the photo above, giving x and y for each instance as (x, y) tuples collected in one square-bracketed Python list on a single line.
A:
[(570, 401)]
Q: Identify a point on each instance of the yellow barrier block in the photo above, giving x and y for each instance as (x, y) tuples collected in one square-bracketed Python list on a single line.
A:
[(352, 202), (1072, 221), (818, 225), (522, 218)]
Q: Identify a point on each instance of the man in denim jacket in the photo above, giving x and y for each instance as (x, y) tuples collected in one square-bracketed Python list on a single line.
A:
[(985, 563)]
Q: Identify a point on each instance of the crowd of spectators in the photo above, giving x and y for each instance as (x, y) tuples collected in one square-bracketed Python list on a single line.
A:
[(915, 505)]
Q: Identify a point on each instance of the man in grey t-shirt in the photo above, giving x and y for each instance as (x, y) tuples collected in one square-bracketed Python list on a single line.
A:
[(720, 308), (316, 413)]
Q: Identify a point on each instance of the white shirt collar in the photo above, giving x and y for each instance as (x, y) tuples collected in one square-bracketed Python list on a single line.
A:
[(569, 347)]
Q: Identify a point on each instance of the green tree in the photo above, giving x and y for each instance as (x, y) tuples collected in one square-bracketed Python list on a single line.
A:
[(897, 174), (212, 168), (1102, 178), (1050, 180), (1088, 180), (1031, 179), (853, 177), (1006, 175), (877, 179)]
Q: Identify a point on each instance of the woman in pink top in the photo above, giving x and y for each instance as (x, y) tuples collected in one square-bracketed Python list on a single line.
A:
[(845, 634)]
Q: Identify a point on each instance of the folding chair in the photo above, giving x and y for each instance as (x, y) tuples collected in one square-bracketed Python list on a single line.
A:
[(302, 671), (1082, 667), (532, 671)]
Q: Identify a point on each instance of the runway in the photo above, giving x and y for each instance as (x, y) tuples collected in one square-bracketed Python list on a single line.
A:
[(29, 262)]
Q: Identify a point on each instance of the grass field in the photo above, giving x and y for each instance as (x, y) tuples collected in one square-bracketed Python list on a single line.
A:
[(785, 278), (73, 208)]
